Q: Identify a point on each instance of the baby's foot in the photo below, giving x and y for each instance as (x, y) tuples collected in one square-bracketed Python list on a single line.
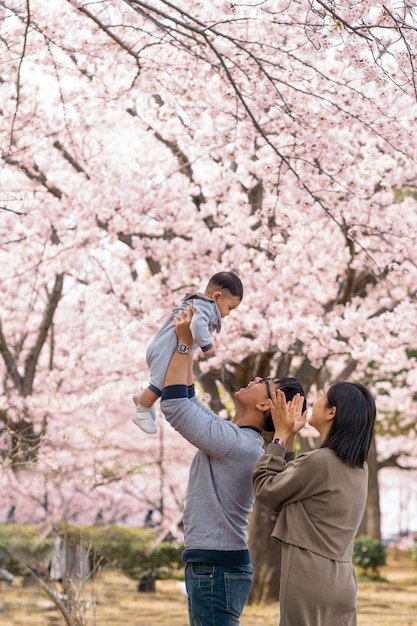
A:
[(145, 418)]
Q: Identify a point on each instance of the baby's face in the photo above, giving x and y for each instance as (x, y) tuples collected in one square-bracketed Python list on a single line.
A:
[(227, 303)]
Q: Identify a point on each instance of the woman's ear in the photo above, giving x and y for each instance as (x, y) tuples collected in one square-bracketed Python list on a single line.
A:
[(331, 413)]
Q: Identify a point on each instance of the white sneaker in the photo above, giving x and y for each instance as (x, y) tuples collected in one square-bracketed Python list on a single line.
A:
[(145, 419)]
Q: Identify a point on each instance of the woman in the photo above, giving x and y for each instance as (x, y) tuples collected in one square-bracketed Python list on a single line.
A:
[(320, 499)]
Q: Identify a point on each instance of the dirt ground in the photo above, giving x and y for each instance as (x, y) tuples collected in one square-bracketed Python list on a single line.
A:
[(118, 603)]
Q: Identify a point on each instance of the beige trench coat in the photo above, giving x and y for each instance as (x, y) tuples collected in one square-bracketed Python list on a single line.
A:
[(320, 503)]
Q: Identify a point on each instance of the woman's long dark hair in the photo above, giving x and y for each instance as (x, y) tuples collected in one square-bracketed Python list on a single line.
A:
[(351, 432)]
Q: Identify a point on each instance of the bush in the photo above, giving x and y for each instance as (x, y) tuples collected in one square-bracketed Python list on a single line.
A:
[(25, 543), (414, 553), (369, 554), (127, 549), (131, 551)]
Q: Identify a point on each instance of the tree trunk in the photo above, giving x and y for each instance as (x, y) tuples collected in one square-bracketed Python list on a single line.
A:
[(266, 556), (371, 523)]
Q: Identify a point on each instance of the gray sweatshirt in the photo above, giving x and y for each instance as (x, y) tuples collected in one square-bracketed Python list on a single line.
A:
[(219, 494)]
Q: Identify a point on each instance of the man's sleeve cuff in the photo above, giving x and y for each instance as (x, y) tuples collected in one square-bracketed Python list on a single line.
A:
[(174, 391)]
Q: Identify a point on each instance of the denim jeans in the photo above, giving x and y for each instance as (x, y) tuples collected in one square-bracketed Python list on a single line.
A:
[(217, 593)]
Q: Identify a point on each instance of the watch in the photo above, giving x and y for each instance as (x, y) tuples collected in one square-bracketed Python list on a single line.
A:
[(183, 348), (280, 442)]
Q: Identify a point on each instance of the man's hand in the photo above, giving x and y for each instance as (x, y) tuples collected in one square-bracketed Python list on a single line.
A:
[(182, 326)]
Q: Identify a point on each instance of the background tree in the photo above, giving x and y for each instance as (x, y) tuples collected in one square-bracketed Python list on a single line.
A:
[(147, 145)]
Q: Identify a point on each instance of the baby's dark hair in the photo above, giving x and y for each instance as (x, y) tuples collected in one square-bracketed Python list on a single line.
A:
[(226, 280)]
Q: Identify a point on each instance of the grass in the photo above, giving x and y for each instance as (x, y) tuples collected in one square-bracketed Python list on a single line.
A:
[(392, 601)]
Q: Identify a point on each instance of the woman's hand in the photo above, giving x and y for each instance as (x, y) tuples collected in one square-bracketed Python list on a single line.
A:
[(287, 417), (300, 418)]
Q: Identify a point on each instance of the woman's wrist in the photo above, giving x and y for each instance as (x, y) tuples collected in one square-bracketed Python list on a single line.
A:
[(279, 434)]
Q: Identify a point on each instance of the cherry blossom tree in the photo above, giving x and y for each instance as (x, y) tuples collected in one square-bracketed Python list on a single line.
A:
[(146, 145)]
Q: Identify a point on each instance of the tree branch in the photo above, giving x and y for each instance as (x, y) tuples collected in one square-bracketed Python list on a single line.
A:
[(50, 592), (32, 359)]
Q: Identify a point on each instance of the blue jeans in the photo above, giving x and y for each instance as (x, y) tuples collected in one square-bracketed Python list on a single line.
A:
[(217, 593)]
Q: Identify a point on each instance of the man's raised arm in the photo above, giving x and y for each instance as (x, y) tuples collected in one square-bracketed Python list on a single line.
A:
[(180, 366)]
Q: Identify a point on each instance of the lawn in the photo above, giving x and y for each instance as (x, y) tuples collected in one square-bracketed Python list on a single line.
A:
[(118, 603)]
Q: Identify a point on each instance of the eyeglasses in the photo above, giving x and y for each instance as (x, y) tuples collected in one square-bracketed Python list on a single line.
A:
[(268, 389)]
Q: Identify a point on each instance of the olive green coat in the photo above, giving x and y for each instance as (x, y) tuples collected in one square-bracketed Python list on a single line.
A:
[(320, 502)]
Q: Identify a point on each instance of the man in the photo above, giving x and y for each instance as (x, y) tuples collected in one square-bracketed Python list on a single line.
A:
[(219, 571)]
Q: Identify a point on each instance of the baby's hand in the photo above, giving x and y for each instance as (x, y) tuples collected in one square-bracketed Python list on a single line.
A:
[(209, 352)]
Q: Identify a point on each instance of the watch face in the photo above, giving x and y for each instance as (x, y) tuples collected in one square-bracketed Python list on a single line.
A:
[(183, 347)]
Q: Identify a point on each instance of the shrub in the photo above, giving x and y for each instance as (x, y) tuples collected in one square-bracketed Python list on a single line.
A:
[(25, 543), (127, 549), (131, 550), (369, 554)]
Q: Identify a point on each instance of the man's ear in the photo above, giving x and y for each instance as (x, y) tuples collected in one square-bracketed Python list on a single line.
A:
[(263, 406)]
